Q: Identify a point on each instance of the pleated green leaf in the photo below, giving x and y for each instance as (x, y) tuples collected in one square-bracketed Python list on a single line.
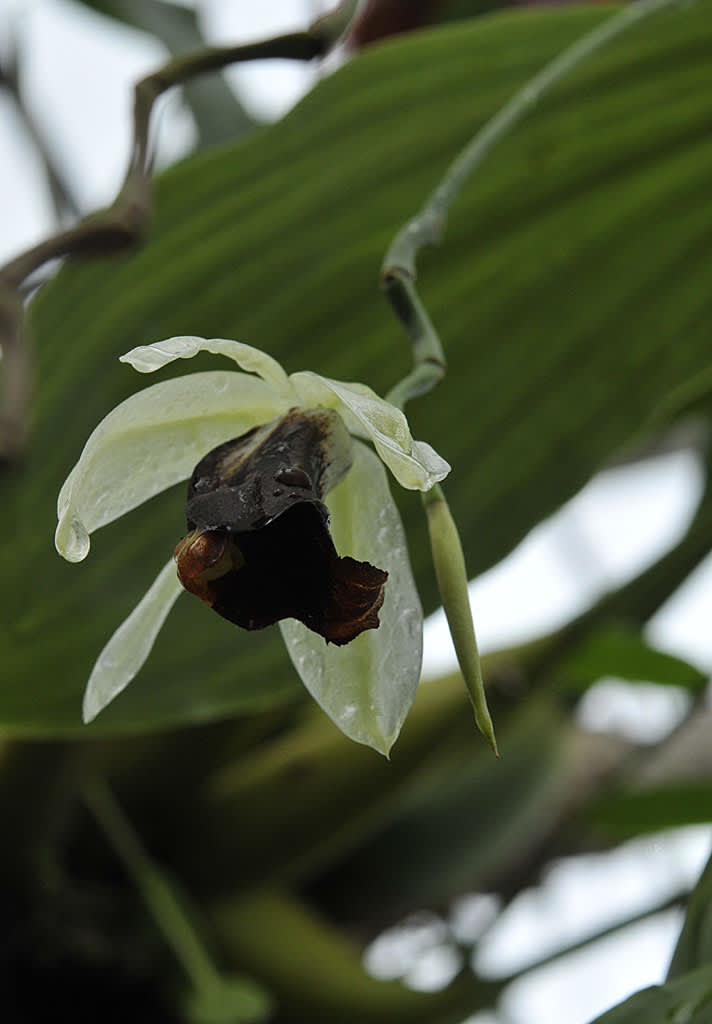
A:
[(572, 294), (687, 1000)]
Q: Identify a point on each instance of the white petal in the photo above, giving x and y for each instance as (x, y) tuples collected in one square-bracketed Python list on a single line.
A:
[(153, 440), (148, 358), (131, 644), (414, 464), (367, 686)]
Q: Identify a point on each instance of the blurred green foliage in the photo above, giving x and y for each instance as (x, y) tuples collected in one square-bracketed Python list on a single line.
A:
[(572, 294)]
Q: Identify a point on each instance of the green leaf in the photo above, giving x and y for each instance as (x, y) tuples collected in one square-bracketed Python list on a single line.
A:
[(465, 818), (316, 972), (259, 827), (572, 296), (624, 814), (455, 10), (214, 998), (615, 649), (219, 116), (228, 1000), (687, 1000), (694, 947)]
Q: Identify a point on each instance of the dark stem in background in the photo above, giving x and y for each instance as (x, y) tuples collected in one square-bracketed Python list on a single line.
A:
[(63, 198), (125, 222), (169, 908)]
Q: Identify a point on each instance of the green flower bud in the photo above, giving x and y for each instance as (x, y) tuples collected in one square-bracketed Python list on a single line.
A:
[(451, 574)]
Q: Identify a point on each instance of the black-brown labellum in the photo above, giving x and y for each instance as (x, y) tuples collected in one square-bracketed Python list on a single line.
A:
[(259, 548)]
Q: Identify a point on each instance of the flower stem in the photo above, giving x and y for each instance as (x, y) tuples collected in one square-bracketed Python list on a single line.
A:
[(428, 357), (398, 272), (162, 901)]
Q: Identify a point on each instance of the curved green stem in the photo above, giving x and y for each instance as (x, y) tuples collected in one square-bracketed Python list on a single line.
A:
[(428, 357), (426, 228)]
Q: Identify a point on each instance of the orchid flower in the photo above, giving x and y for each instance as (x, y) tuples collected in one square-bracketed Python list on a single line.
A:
[(216, 428)]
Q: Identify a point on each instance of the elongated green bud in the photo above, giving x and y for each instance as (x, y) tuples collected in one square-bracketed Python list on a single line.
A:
[(451, 575)]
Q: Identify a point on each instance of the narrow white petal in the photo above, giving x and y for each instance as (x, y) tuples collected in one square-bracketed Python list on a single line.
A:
[(148, 358), (125, 653), (367, 686), (153, 440), (414, 464)]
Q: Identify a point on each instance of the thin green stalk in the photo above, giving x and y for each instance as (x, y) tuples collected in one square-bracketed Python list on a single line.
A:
[(158, 893), (427, 226), (429, 364)]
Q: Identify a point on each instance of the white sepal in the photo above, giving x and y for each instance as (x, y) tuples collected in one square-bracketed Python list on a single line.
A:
[(153, 440), (148, 358), (414, 464), (368, 685), (131, 644)]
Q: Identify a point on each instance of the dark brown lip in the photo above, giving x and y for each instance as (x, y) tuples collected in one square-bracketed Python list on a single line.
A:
[(259, 548)]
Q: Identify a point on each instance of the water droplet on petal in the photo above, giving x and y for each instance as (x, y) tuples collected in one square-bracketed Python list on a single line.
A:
[(71, 538)]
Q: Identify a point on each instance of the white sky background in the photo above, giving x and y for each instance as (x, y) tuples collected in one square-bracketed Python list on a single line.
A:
[(77, 79)]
